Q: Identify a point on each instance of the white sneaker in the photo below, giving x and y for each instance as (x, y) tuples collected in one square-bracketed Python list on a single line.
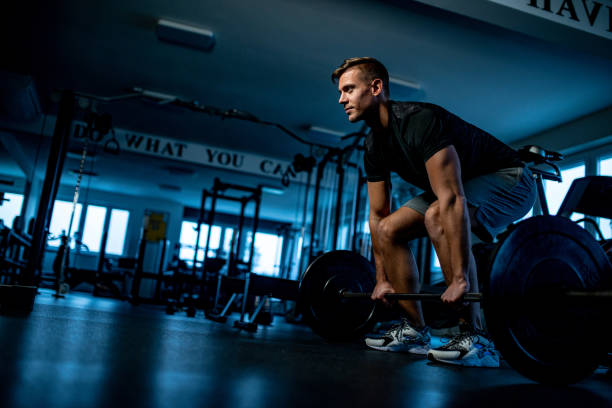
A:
[(402, 338), (467, 349)]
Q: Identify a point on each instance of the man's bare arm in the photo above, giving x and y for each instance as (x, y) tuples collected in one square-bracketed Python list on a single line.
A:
[(380, 207), (444, 170)]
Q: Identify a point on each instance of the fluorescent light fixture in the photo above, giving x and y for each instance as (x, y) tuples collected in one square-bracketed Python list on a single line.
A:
[(272, 190), (404, 83), (319, 129), (185, 34)]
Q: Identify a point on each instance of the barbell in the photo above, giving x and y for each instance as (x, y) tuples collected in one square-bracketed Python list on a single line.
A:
[(546, 301), (568, 296)]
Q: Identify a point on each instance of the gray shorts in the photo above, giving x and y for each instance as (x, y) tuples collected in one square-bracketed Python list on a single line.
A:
[(499, 198)]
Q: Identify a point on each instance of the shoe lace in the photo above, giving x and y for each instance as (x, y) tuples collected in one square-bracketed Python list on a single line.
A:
[(461, 338), (399, 326), (396, 330)]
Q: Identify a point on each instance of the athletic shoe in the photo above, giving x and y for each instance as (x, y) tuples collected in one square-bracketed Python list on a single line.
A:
[(402, 338), (467, 349)]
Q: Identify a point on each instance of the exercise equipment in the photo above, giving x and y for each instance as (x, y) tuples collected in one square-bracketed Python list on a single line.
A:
[(225, 191), (15, 245), (549, 294), (547, 297), (319, 238), (330, 315), (560, 339)]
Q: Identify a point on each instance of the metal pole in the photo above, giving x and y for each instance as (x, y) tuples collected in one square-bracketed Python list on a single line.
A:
[(55, 165), (139, 266), (160, 271), (247, 280), (255, 226), (320, 169), (243, 204), (541, 195), (197, 243), (360, 182), (340, 173)]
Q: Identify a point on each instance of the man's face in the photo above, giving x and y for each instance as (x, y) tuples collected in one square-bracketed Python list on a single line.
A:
[(355, 94)]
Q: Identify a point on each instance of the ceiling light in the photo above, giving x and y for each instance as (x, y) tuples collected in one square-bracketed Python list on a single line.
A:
[(405, 83), (319, 129), (185, 34), (273, 190)]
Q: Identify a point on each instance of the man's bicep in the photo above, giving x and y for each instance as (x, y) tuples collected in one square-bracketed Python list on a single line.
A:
[(379, 195), (444, 172)]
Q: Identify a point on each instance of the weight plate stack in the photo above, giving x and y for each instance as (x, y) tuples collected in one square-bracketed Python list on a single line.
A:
[(329, 315), (548, 338)]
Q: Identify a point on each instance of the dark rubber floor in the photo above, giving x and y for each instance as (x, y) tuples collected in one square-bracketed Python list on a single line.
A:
[(88, 352)]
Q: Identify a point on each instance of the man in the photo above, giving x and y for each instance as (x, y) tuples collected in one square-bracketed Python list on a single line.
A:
[(472, 182)]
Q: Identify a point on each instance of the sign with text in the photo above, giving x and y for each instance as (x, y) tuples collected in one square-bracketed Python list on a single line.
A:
[(166, 148), (593, 16)]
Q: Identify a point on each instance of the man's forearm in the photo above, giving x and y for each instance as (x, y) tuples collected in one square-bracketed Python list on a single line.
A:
[(381, 276), (455, 222)]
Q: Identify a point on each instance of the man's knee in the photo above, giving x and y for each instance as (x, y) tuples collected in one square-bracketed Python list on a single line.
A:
[(390, 233), (387, 232), (432, 221)]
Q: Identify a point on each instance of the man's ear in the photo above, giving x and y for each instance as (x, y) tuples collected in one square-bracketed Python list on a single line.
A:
[(377, 87)]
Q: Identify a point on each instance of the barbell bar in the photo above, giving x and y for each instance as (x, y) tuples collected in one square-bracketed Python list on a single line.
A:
[(602, 295), (468, 297)]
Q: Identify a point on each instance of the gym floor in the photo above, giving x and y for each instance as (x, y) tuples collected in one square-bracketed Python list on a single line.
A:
[(83, 351)]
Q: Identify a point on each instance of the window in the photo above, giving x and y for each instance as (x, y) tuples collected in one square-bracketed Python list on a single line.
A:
[(188, 238), (60, 219), (189, 233), (436, 275), (555, 192), (343, 241), (295, 270), (94, 227), (268, 247), (117, 230), (227, 242), (10, 208), (215, 238), (605, 169), (266, 259)]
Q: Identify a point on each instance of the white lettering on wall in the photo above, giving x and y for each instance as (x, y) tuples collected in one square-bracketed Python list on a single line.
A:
[(195, 153)]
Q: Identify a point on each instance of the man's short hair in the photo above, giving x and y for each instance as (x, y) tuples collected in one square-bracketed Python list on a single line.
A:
[(370, 67)]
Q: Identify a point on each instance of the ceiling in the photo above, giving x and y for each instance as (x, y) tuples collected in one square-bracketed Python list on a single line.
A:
[(274, 59)]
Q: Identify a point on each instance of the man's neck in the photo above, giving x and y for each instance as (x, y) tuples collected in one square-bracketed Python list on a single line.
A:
[(379, 121)]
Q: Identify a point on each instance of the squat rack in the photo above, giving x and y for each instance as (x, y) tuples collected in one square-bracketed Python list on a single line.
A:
[(220, 192)]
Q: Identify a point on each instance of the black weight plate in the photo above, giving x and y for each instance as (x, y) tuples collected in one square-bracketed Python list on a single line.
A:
[(557, 341), (323, 309)]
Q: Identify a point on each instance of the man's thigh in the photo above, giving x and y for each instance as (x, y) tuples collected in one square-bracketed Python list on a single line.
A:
[(501, 198)]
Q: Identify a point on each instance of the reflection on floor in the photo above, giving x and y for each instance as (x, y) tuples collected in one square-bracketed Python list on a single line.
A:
[(88, 352)]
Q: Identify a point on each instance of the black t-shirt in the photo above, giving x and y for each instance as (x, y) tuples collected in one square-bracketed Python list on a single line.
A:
[(419, 130)]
